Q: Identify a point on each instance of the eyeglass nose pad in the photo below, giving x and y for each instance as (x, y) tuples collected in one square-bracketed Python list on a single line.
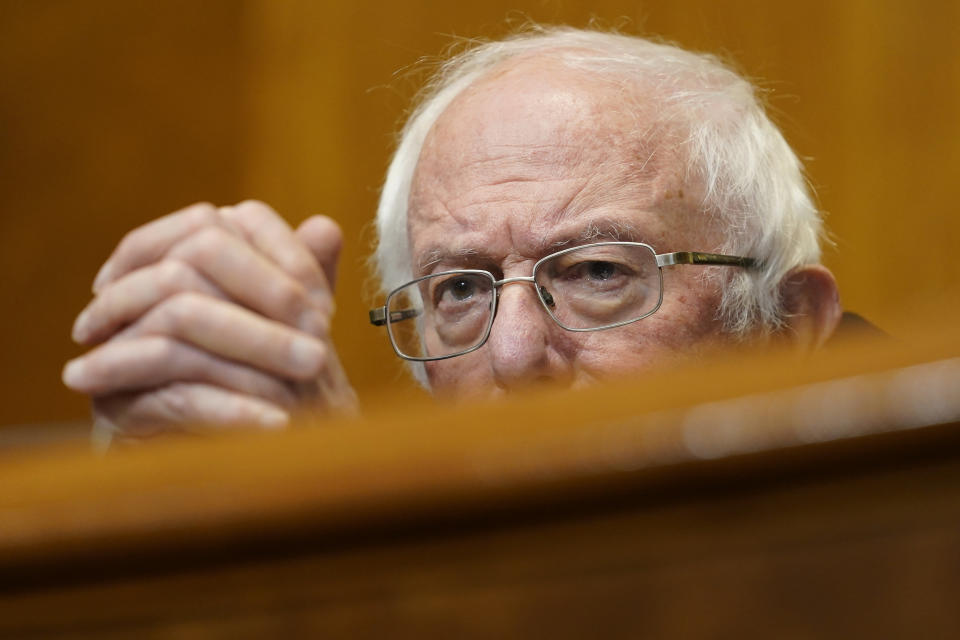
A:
[(547, 298)]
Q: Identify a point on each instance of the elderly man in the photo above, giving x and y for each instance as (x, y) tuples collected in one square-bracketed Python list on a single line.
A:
[(563, 206)]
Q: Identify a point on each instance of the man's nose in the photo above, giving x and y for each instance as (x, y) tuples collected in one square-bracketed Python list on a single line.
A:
[(521, 340)]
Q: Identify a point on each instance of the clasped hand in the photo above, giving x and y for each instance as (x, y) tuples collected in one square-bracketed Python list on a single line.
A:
[(212, 316)]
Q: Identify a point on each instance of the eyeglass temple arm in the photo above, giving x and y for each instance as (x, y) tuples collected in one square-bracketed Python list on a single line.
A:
[(378, 316), (698, 257)]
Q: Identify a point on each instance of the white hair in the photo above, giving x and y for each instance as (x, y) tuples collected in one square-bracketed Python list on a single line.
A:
[(751, 182)]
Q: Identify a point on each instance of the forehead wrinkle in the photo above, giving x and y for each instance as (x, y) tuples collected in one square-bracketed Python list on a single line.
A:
[(620, 162), (595, 231), (519, 177), (504, 168), (531, 154), (604, 189), (510, 192)]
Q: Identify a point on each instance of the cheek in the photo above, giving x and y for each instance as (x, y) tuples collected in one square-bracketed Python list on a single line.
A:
[(461, 376), (684, 327), (690, 307), (630, 349)]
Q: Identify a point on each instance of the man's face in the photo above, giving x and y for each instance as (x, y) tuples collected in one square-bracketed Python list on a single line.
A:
[(534, 159)]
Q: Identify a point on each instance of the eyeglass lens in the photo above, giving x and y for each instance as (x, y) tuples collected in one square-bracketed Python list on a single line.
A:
[(453, 313), (591, 287), (600, 285)]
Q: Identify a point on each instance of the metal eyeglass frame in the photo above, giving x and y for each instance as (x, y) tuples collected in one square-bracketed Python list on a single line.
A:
[(379, 316)]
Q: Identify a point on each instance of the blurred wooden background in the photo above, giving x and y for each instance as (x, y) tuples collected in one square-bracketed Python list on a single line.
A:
[(113, 112)]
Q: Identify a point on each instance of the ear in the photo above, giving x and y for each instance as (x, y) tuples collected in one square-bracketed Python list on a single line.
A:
[(811, 302)]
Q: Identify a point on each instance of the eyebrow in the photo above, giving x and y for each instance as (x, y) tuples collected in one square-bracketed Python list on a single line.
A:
[(599, 231), (437, 255), (595, 231)]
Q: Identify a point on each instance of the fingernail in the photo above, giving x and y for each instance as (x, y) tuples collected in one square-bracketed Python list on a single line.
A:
[(102, 276), (273, 418), (305, 354), (73, 373), (80, 330)]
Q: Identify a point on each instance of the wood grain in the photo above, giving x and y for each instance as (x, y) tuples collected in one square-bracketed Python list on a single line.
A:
[(822, 501)]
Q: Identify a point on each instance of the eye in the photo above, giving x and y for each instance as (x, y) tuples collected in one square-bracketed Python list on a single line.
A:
[(596, 272), (598, 277), (600, 270), (459, 289)]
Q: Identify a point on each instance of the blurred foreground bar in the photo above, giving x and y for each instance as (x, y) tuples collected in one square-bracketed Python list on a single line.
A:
[(759, 498)]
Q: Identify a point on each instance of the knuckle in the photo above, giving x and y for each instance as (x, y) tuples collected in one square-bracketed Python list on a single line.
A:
[(130, 242), (206, 244), (175, 400), (317, 363), (202, 214), (181, 311), (298, 266), (255, 208), (307, 357), (175, 275), (315, 322), (159, 350), (145, 414), (287, 298), (236, 412)]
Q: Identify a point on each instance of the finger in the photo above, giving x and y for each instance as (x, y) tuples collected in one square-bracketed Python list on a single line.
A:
[(272, 236), (124, 300), (154, 361), (325, 240), (184, 407), (233, 333), (331, 390), (249, 278), (150, 242)]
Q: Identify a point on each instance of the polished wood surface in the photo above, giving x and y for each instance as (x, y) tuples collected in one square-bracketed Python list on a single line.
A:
[(764, 495)]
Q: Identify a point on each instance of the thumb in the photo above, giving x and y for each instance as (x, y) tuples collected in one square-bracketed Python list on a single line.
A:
[(324, 239)]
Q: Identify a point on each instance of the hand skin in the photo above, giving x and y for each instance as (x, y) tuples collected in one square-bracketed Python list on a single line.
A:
[(212, 317)]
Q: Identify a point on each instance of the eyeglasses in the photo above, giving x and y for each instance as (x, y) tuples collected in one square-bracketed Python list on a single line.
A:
[(585, 288)]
